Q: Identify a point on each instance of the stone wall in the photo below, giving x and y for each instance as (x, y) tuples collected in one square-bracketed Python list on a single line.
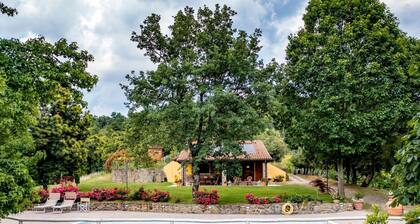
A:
[(269, 209), (139, 175)]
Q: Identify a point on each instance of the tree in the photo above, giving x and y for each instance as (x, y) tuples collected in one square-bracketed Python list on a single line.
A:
[(274, 142), (407, 171), (15, 187), (345, 82), (63, 126), (4, 9), (208, 88)]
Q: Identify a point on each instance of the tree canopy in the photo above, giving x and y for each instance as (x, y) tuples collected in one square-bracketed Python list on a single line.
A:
[(208, 87), (345, 83)]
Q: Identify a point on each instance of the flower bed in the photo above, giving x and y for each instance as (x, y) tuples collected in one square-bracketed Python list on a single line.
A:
[(206, 198), (278, 199), (154, 196)]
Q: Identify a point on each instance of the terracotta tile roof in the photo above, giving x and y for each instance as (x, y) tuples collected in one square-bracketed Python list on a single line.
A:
[(259, 152)]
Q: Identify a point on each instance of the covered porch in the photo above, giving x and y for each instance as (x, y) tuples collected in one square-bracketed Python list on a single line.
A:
[(252, 171)]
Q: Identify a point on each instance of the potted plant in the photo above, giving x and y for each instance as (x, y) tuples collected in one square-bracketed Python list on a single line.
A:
[(394, 209), (358, 201), (264, 182)]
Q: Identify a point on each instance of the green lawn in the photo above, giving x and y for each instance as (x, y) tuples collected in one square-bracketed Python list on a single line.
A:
[(228, 195)]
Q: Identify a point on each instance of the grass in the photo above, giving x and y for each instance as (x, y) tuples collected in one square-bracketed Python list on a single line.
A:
[(228, 195)]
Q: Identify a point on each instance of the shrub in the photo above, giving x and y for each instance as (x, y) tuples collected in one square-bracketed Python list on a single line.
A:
[(141, 194), (41, 195), (62, 189), (159, 196), (359, 195), (319, 184), (412, 217), (265, 200), (109, 194), (377, 217), (206, 198)]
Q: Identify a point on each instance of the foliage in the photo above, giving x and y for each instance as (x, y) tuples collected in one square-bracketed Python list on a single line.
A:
[(377, 217), (62, 128), (63, 188), (119, 157), (209, 88), (320, 185), (265, 200), (382, 180), (274, 142), (359, 195), (41, 195), (412, 216), (4, 9), (206, 198), (15, 187), (407, 171), (108, 194), (345, 99), (159, 196)]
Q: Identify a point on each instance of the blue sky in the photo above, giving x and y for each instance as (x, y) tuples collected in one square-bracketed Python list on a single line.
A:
[(103, 27)]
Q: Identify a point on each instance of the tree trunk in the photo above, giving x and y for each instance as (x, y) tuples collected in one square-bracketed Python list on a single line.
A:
[(196, 183), (353, 174), (369, 177), (340, 175)]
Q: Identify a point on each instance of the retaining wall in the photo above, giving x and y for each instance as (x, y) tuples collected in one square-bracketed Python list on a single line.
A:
[(269, 209), (139, 175)]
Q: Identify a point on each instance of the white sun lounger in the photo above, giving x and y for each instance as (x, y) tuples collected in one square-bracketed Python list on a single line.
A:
[(68, 203), (51, 202)]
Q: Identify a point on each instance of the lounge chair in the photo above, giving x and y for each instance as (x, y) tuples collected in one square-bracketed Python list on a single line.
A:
[(68, 203), (51, 202)]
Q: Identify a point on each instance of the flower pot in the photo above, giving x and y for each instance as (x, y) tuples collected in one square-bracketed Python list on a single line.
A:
[(396, 211), (358, 204), (263, 183)]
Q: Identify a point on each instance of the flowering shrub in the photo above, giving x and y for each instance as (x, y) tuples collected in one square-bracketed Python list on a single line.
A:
[(206, 198), (155, 196), (88, 194), (108, 194), (278, 199), (159, 196), (62, 189), (41, 195), (255, 200)]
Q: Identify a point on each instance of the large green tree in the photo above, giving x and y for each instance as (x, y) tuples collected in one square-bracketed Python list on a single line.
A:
[(407, 171), (208, 86), (63, 126), (345, 82)]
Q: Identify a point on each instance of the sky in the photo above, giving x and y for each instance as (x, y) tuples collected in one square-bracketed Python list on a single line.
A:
[(104, 27)]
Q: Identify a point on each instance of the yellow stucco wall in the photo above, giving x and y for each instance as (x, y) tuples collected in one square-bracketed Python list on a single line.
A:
[(172, 171), (274, 171)]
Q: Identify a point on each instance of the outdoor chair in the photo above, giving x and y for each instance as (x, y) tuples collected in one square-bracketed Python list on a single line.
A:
[(51, 202), (68, 203), (84, 205)]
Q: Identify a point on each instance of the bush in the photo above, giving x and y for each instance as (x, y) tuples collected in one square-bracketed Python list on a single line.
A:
[(359, 195), (64, 188), (265, 200), (412, 217), (377, 217), (141, 194), (41, 195), (108, 194), (159, 196), (206, 198), (319, 184)]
